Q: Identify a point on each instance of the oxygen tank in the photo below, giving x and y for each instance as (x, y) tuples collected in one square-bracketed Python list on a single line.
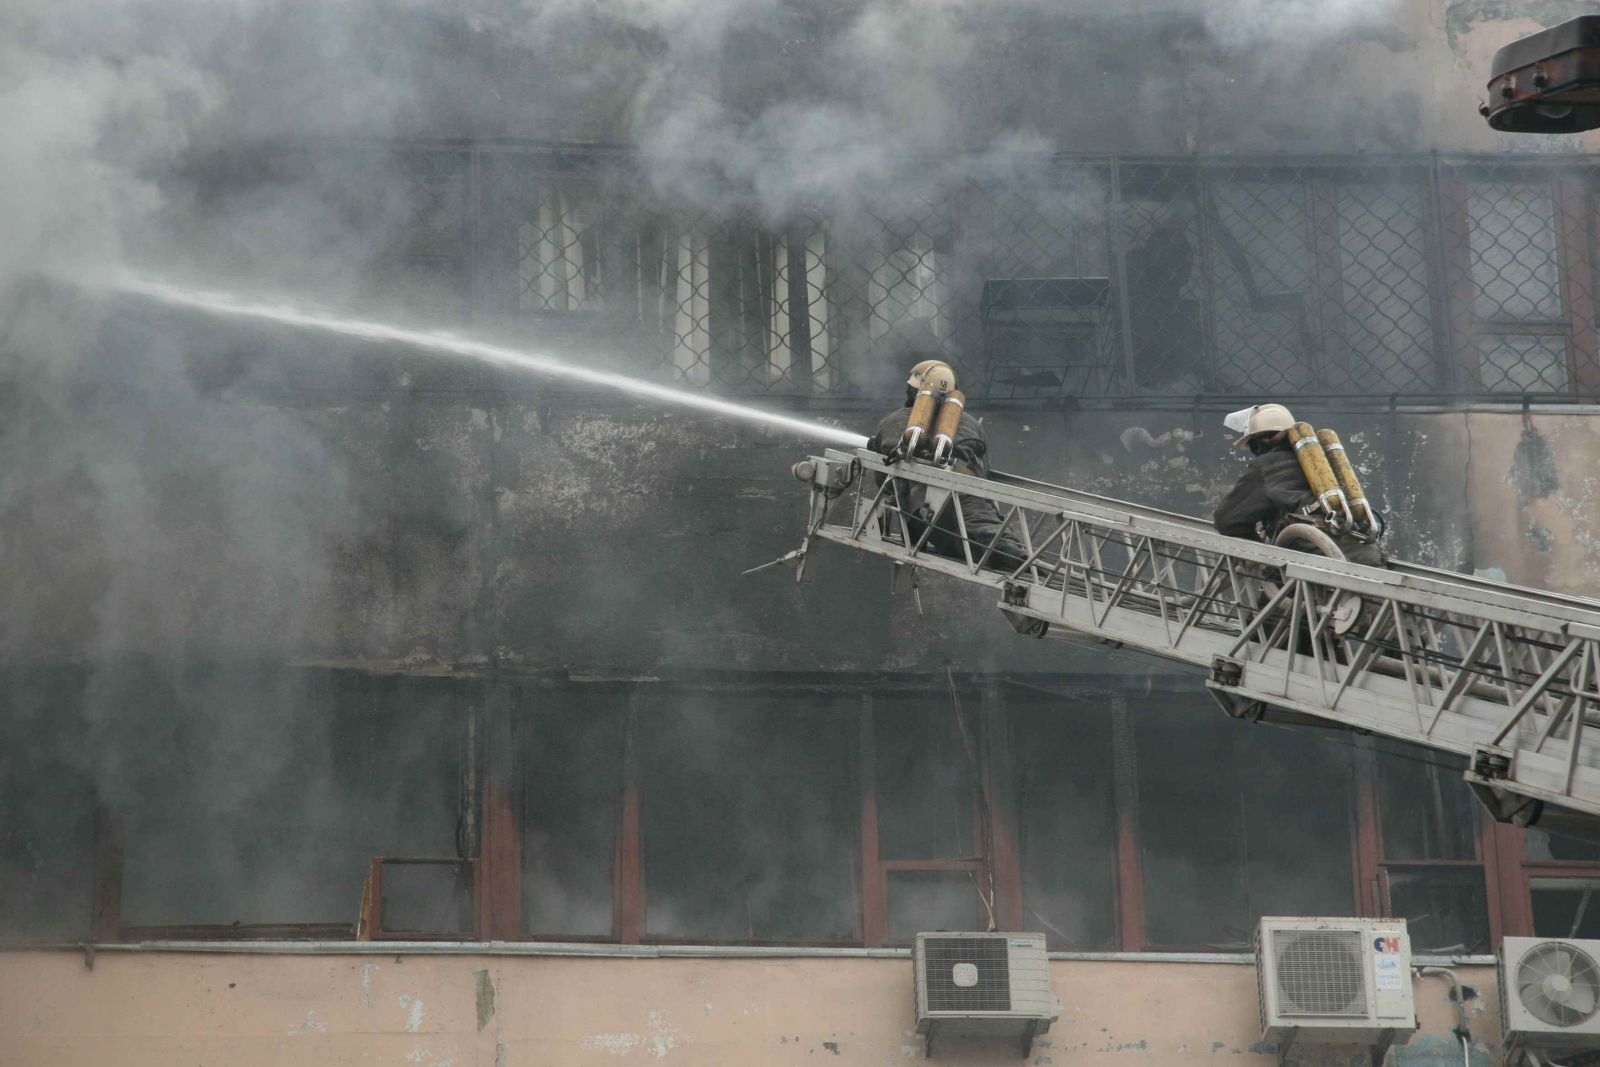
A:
[(1314, 465), (920, 422), (945, 426), (1348, 482)]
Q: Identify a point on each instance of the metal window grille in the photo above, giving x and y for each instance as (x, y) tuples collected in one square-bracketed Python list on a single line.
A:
[(1055, 279)]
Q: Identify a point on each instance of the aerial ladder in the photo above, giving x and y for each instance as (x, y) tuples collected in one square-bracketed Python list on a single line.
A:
[(1505, 676)]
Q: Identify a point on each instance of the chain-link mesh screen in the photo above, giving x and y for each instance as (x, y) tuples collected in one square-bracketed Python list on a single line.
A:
[(1045, 280)]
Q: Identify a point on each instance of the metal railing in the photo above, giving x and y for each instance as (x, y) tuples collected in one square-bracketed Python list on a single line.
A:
[(1057, 279)]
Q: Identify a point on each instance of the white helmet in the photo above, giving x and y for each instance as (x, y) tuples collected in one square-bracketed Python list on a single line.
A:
[(932, 374), (1262, 418)]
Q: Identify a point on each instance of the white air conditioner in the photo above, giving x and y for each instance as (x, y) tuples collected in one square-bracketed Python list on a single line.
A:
[(984, 986), (1335, 981), (1549, 994)]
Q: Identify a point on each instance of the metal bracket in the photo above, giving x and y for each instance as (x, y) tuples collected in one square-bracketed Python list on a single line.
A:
[(1015, 594), (1226, 671)]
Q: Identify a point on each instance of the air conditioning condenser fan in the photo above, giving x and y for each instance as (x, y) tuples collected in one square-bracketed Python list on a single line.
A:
[(1320, 972), (1559, 983)]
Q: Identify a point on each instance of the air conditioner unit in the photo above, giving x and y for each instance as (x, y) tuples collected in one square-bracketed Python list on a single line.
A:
[(983, 985), (1335, 981), (1549, 994)]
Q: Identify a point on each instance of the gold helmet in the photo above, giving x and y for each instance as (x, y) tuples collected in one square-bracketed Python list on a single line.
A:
[(932, 374), (1263, 418)]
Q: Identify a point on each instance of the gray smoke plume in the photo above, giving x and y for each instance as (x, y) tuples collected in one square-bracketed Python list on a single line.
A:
[(161, 520)]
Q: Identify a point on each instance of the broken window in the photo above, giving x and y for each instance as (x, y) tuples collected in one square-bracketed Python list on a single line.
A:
[(926, 780), (571, 772), (255, 798), (1066, 818), (1431, 874), (1565, 907), (926, 901), (46, 806), (1236, 822), (749, 808)]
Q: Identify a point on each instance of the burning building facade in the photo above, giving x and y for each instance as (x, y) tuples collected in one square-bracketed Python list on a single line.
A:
[(365, 700)]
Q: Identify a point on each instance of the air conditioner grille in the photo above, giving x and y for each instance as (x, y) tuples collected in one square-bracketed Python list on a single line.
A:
[(1559, 984), (1319, 973), (992, 992)]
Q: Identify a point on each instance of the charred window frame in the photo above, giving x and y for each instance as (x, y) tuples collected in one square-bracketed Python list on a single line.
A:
[(1426, 852), (417, 798), (985, 748)]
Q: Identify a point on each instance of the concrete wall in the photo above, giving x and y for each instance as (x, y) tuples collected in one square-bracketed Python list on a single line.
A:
[(151, 1008)]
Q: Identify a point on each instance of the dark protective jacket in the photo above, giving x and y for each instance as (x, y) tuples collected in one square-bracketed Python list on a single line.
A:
[(981, 517), (1271, 486)]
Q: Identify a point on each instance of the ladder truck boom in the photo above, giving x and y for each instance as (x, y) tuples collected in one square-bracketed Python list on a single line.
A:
[(1507, 677)]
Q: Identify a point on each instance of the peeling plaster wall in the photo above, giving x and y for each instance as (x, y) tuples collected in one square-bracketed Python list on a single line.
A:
[(478, 1011)]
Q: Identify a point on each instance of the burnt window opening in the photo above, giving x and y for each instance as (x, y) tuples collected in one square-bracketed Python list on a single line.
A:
[(926, 775), (1066, 818), (1565, 907), (571, 753), (749, 813), (1227, 836), (47, 798), (1428, 812), (927, 901), (1431, 871), (255, 799)]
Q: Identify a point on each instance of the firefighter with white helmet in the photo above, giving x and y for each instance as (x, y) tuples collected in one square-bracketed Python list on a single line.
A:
[(960, 443), (1274, 489)]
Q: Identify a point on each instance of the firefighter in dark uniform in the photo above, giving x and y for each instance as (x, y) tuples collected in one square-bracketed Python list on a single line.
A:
[(1273, 490), (971, 450)]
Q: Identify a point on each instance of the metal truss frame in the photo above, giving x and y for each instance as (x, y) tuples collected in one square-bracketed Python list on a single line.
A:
[(1505, 676)]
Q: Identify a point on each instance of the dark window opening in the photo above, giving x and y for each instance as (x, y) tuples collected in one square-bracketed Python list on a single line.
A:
[(571, 772), (750, 807), (1445, 908), (1227, 836), (46, 807), (1067, 823), (1565, 907), (427, 899), (262, 796), (1428, 813), (927, 901), (927, 777)]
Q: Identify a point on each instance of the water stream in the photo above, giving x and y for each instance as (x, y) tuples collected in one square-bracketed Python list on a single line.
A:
[(230, 304)]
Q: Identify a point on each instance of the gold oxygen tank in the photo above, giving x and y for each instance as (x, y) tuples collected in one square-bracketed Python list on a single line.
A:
[(945, 426), (1314, 465), (920, 422), (1345, 472)]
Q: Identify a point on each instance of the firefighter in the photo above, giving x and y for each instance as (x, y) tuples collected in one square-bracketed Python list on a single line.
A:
[(1273, 489), (970, 452)]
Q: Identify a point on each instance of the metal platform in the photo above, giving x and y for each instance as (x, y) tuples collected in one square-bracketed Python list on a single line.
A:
[(1506, 676)]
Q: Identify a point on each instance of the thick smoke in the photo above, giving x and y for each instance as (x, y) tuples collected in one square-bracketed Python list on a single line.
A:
[(161, 520), (123, 114)]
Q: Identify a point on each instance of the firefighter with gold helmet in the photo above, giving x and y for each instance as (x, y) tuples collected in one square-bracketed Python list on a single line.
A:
[(1297, 476), (933, 425)]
